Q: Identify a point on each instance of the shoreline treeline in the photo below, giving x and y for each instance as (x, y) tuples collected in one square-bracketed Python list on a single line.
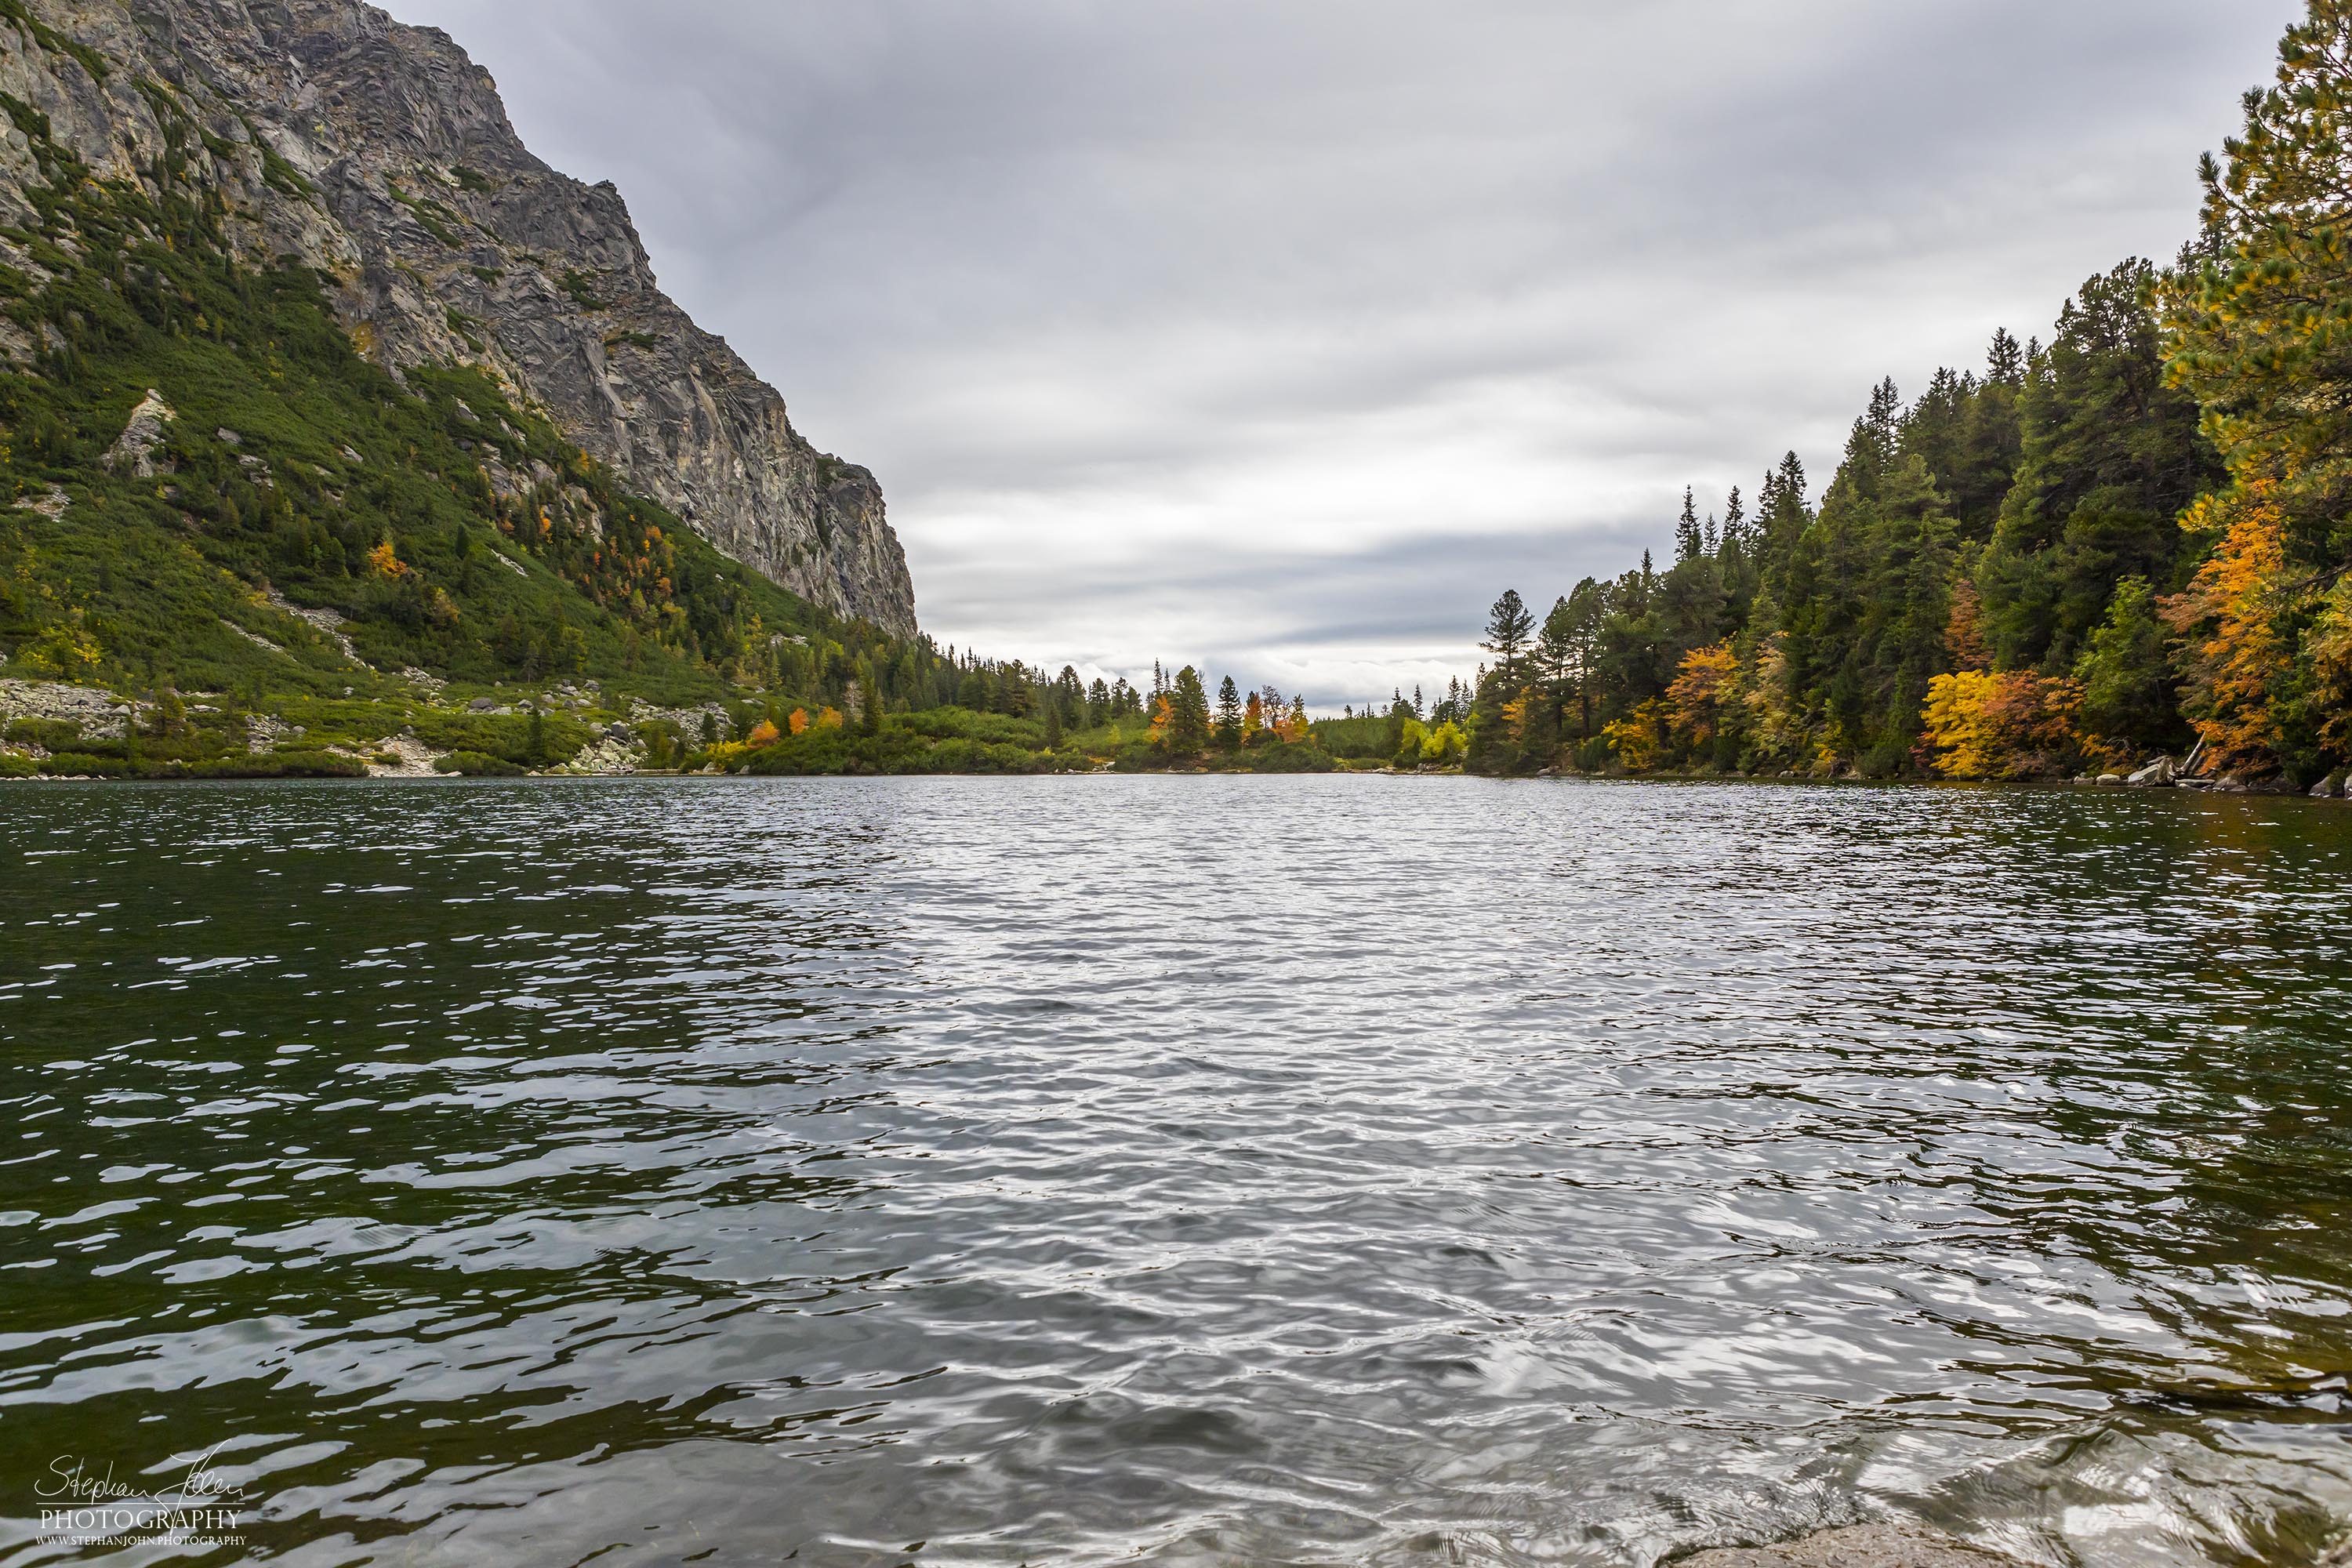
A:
[(2131, 540)]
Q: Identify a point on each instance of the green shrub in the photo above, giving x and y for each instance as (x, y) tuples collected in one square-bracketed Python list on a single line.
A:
[(17, 765), (1300, 757), (49, 734), (84, 762), (476, 764)]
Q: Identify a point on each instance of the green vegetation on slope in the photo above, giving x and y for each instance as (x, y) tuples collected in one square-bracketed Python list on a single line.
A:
[(447, 529)]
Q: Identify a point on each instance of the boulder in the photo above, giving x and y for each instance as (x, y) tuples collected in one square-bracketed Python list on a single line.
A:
[(2155, 775), (2111, 778)]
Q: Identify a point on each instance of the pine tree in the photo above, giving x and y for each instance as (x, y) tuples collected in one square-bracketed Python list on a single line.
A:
[(1688, 542), (1508, 625), (1229, 715)]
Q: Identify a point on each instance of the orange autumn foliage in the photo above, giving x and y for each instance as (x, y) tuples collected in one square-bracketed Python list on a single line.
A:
[(764, 735), (797, 721), (1700, 688), (2235, 658)]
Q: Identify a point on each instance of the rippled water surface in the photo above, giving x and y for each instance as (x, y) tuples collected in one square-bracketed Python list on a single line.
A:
[(1202, 1170)]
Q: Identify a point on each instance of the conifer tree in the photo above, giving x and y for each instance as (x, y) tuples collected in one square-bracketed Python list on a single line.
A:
[(1508, 625), (1688, 540), (1188, 715), (1229, 715)]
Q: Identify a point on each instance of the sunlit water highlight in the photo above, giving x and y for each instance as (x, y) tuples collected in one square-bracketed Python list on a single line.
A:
[(1195, 1170)]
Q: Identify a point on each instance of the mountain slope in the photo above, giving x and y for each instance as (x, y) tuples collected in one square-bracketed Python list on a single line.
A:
[(322, 132)]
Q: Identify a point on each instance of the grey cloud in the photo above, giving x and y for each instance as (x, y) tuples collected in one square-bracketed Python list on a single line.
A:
[(1289, 332)]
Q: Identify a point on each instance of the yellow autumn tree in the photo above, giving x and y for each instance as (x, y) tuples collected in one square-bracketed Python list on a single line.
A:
[(1634, 738), (1954, 722), (828, 718), (2235, 660), (2330, 646), (764, 735), (1702, 687), (382, 560), (1775, 728), (2010, 725), (1446, 745)]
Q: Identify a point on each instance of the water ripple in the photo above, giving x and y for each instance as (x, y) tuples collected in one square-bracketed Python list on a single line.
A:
[(1190, 1171)]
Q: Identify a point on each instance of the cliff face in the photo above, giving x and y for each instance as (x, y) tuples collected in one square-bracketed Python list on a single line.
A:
[(381, 154)]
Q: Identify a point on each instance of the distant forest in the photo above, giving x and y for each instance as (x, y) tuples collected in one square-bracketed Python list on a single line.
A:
[(2126, 541)]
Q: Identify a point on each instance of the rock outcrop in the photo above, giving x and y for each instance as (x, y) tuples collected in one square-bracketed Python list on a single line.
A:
[(379, 154), (133, 451)]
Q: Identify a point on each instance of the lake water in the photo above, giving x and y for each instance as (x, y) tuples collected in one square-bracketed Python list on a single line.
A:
[(1178, 1170)]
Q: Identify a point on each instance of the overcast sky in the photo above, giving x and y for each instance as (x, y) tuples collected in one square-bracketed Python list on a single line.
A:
[(1281, 336)]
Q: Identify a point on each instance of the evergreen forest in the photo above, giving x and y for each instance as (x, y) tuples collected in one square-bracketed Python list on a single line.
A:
[(2125, 543)]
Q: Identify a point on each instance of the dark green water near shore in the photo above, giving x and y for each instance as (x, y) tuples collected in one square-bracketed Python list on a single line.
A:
[(1184, 1170)]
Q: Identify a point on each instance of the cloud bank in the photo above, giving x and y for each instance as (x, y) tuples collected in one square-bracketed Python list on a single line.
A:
[(1280, 336)]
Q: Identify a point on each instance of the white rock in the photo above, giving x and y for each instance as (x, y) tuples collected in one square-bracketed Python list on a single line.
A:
[(134, 449)]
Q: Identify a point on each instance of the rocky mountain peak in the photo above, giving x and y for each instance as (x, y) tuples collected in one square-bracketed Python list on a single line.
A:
[(381, 154)]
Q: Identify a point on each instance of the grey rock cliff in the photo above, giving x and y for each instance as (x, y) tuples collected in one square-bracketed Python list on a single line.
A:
[(381, 154)]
